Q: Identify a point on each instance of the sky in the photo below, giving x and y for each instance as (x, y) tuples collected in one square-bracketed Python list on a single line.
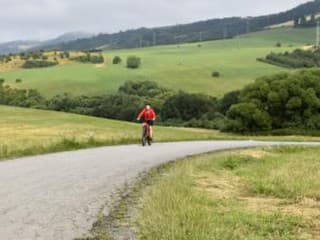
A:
[(44, 19)]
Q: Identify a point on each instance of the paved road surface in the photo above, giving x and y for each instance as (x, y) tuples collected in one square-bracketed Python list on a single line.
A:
[(58, 196)]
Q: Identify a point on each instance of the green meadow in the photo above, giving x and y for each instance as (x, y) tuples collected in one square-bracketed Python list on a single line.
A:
[(30, 132), (185, 67), (255, 194)]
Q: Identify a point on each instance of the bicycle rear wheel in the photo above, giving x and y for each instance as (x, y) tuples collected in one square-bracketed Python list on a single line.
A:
[(144, 139)]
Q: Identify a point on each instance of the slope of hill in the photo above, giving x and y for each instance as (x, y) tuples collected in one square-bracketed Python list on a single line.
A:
[(187, 67), (203, 30), (21, 46), (65, 38), (17, 46), (28, 132)]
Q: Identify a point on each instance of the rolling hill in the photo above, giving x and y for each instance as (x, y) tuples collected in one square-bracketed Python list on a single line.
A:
[(185, 67), (211, 29), (22, 46), (29, 132)]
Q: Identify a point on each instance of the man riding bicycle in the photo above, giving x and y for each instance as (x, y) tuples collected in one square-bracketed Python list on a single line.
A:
[(149, 116)]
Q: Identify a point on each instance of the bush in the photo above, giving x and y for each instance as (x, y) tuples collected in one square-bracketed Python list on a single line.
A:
[(133, 62), (116, 60), (215, 74), (38, 64), (185, 107), (96, 59), (88, 58), (18, 80), (296, 59), (143, 89)]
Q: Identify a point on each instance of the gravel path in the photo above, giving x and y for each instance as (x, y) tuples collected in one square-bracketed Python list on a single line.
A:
[(58, 196)]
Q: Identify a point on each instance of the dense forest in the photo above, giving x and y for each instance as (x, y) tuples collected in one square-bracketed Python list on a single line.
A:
[(297, 59), (204, 30), (281, 102)]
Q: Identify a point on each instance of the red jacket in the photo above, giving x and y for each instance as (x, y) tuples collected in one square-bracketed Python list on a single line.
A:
[(147, 115)]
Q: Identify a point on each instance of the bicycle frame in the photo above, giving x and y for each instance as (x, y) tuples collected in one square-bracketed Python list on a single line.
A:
[(146, 134)]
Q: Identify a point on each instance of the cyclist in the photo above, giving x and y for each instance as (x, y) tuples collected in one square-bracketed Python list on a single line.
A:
[(149, 116)]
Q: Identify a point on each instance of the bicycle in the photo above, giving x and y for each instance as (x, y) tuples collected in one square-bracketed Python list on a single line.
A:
[(146, 139)]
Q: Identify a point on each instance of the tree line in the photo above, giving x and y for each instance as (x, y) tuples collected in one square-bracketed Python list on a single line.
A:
[(281, 102), (297, 59)]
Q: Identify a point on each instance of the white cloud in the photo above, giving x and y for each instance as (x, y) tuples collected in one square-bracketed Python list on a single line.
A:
[(39, 19)]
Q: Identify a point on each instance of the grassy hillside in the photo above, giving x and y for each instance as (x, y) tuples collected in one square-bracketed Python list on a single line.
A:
[(268, 193), (187, 67), (295, 36), (28, 131), (18, 61)]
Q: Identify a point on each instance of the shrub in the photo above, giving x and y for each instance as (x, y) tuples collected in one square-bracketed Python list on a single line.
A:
[(248, 117), (133, 62), (296, 59), (184, 106), (96, 59), (116, 60), (88, 58), (215, 74), (18, 80), (38, 64), (66, 54)]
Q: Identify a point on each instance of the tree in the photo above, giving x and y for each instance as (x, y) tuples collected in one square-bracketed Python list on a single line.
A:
[(227, 101), (303, 21), (247, 117), (215, 74), (185, 107), (116, 60), (133, 62), (277, 102)]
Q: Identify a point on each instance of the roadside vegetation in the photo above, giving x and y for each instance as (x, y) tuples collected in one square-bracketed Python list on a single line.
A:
[(265, 193)]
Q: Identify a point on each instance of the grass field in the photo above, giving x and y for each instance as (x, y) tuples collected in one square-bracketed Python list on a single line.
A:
[(28, 132), (186, 67), (265, 193)]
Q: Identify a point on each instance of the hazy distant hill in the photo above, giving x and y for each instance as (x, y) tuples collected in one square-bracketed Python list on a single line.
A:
[(16, 46), (203, 30), (20, 46), (65, 38)]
